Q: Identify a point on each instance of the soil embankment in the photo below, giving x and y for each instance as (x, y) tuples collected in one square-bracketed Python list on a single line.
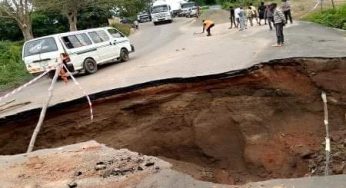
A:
[(261, 123)]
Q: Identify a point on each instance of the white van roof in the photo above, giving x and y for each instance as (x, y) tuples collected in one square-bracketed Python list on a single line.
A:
[(70, 33), (160, 2)]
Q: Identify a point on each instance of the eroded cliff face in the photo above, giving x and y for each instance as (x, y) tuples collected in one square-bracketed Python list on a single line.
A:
[(260, 123)]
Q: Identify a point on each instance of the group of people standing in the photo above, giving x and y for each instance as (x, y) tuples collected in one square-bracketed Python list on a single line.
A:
[(270, 13)]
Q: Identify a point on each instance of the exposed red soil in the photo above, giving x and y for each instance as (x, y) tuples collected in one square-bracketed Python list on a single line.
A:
[(262, 124)]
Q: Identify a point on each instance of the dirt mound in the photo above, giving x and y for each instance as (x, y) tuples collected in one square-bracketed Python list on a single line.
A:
[(260, 123), (86, 164)]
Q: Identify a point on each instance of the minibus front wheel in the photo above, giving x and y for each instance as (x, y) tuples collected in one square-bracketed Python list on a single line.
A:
[(90, 66), (124, 55)]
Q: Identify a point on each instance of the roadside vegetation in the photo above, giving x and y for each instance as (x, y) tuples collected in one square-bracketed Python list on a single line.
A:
[(12, 70), (124, 28), (331, 18), (236, 3)]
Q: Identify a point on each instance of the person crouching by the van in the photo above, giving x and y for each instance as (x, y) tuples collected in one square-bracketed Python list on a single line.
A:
[(279, 21)]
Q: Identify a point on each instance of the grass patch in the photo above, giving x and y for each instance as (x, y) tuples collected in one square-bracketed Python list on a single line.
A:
[(12, 69), (331, 18), (204, 8), (124, 28)]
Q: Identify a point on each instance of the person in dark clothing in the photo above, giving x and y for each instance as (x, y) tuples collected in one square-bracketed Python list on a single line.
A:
[(279, 21), (232, 18), (269, 16), (286, 8), (261, 11)]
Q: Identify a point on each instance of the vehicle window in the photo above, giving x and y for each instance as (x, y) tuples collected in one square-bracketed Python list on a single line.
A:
[(40, 46), (115, 33), (95, 37), (84, 39), (71, 42), (161, 8), (98, 36), (187, 5), (103, 35), (76, 41)]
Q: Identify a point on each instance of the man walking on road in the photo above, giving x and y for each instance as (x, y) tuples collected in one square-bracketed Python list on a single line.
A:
[(261, 12), (255, 13), (279, 21), (269, 16), (236, 15), (232, 17), (207, 25), (250, 14), (242, 19), (286, 7)]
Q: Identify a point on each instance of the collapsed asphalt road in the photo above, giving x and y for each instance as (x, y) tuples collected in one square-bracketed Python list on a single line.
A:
[(170, 51), (255, 124)]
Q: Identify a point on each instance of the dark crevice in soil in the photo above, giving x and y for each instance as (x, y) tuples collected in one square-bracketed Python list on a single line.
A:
[(254, 124)]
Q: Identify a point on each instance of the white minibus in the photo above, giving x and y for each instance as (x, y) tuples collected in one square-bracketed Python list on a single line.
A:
[(82, 51)]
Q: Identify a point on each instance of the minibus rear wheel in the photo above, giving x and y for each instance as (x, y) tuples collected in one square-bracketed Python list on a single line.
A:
[(90, 66)]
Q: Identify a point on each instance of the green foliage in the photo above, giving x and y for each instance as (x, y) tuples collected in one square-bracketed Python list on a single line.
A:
[(237, 3), (9, 30), (130, 8), (47, 23), (331, 18), (93, 17), (124, 28), (12, 69), (205, 8)]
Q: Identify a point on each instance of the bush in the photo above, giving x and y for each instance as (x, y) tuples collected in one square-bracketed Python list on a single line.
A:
[(124, 28), (331, 18), (12, 69), (237, 3)]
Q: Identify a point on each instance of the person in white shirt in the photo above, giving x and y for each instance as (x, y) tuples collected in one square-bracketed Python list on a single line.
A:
[(236, 15)]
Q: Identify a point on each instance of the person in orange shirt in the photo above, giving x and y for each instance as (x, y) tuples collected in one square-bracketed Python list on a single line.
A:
[(207, 25)]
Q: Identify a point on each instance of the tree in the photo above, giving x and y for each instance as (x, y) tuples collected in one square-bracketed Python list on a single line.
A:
[(48, 23), (93, 17), (20, 11), (72, 8), (130, 8), (68, 8)]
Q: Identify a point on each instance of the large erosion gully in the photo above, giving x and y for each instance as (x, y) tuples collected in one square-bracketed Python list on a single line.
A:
[(254, 124)]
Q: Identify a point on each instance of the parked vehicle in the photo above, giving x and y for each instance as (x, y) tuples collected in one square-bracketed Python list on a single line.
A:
[(161, 12), (175, 6), (82, 51), (143, 17), (193, 12), (188, 9)]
